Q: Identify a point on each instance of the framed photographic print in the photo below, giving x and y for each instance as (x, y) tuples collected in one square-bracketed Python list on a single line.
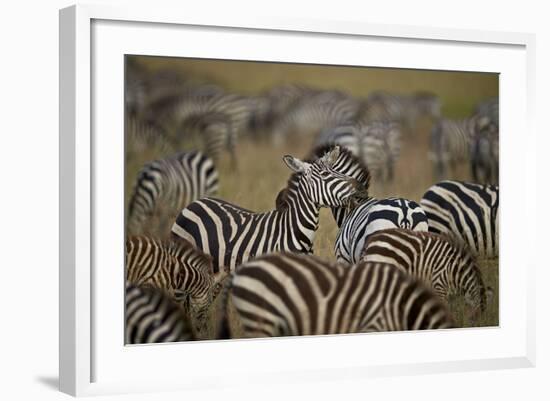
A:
[(332, 194)]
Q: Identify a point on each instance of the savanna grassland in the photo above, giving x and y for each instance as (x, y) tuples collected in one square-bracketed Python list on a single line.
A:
[(261, 173)]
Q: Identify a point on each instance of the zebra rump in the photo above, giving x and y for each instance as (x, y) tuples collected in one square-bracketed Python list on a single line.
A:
[(371, 216), (173, 183), (152, 317), (466, 211), (289, 294), (442, 263)]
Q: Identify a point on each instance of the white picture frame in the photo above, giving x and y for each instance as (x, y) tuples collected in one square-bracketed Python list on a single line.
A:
[(93, 358)]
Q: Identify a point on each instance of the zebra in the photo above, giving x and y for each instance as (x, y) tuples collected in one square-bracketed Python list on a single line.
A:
[(450, 144), (289, 294), (142, 136), (182, 272), (406, 109), (371, 216), (317, 112), (376, 143), (152, 317), (171, 183), (490, 109), (484, 152), (135, 88), (442, 263), (466, 211), (232, 235)]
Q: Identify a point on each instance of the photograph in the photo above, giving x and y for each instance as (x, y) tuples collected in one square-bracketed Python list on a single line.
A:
[(269, 199)]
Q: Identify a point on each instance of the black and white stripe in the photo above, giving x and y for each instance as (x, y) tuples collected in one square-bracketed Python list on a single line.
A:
[(152, 317), (176, 268), (442, 263), (373, 215), (233, 235), (469, 212), (171, 183), (289, 294)]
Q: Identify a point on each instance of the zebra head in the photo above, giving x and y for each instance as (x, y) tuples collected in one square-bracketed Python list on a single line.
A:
[(323, 181)]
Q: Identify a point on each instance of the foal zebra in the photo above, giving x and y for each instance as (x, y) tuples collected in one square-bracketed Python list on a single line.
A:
[(173, 183), (466, 211), (232, 235), (448, 267), (373, 215), (152, 317), (286, 294), (179, 270)]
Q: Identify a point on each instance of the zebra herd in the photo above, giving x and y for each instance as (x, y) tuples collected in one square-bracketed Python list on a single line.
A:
[(398, 262)]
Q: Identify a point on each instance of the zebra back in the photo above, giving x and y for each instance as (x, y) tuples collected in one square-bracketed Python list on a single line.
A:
[(441, 262), (466, 211), (152, 317), (375, 215), (173, 183), (291, 294)]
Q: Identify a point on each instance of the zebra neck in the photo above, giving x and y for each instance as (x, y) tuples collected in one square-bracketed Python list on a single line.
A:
[(300, 219)]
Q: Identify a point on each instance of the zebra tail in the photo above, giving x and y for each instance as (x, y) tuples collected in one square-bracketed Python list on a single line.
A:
[(224, 329)]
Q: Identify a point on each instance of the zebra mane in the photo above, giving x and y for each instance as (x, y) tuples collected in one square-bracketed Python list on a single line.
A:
[(361, 173)]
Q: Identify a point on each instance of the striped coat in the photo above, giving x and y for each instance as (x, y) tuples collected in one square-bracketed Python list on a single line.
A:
[(466, 211), (171, 183), (442, 263), (291, 294)]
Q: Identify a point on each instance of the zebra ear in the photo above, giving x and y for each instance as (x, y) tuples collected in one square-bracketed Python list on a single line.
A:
[(295, 164)]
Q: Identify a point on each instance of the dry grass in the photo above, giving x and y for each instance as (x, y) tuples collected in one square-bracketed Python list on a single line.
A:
[(261, 172)]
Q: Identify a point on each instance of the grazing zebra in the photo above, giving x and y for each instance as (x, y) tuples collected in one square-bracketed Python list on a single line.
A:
[(316, 112), (466, 211), (288, 294), (406, 109), (232, 235), (373, 215), (176, 268), (142, 136), (376, 143), (152, 317), (171, 183), (442, 263)]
